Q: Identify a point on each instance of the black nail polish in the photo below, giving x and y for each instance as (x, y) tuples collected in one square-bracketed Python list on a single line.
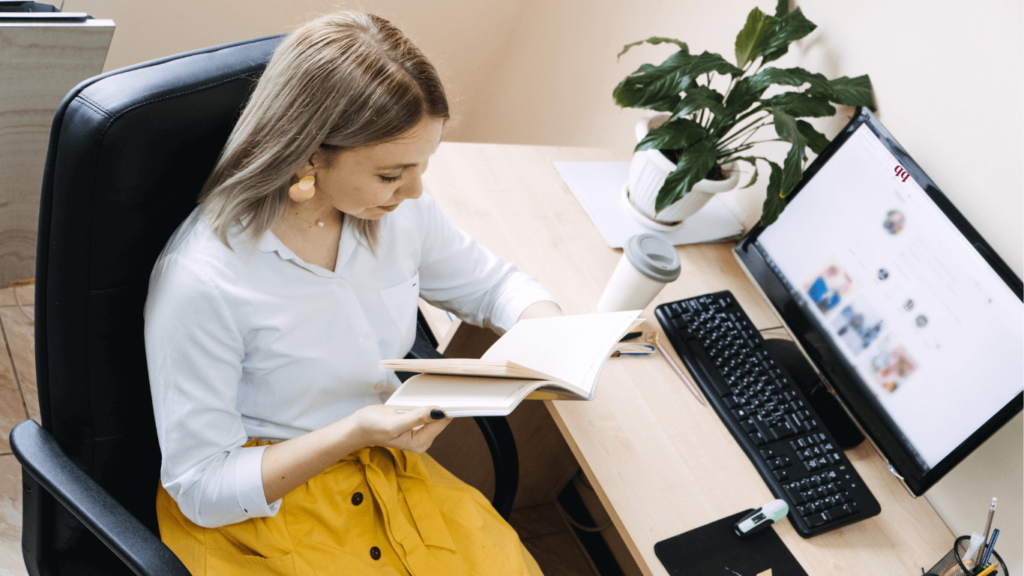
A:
[(437, 414)]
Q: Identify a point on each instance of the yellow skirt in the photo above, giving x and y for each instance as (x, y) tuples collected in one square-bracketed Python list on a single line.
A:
[(377, 511)]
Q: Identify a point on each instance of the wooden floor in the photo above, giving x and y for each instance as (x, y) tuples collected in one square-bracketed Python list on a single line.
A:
[(18, 401), (546, 535)]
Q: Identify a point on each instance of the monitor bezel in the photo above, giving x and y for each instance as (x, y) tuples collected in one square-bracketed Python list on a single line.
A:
[(859, 404)]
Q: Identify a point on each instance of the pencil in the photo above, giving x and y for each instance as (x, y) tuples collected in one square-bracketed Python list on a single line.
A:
[(653, 339)]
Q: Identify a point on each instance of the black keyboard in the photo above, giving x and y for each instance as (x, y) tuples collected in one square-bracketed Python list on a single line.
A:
[(766, 413)]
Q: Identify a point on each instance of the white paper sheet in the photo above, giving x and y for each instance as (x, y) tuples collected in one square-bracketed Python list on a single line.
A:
[(598, 187)]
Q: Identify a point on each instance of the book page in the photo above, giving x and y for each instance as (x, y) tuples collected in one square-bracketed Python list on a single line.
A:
[(455, 392), (570, 348), (464, 367)]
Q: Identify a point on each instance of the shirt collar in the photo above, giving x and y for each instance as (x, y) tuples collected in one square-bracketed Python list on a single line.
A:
[(269, 242)]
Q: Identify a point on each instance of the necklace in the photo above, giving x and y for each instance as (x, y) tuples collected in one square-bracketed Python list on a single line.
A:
[(319, 223)]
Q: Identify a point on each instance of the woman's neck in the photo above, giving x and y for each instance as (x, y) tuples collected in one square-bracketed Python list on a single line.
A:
[(314, 213)]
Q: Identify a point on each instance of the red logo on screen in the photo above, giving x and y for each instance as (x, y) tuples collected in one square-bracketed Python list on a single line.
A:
[(901, 173)]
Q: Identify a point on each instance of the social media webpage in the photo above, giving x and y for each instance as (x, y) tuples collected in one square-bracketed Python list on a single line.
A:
[(929, 327)]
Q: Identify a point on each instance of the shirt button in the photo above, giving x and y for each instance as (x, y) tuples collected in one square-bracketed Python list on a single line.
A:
[(375, 553), (367, 335), (357, 498)]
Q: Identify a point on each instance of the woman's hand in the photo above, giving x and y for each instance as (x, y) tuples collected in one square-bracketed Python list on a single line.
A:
[(288, 464), (414, 430)]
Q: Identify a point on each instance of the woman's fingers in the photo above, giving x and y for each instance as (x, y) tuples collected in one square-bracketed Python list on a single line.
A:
[(421, 438), (413, 418)]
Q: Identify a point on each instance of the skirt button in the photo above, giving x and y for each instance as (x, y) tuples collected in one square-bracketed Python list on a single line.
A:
[(357, 498), (375, 553)]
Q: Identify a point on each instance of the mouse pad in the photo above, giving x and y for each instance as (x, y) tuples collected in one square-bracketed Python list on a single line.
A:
[(715, 550)]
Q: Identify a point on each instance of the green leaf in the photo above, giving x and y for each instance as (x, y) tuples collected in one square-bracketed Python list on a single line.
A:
[(673, 135), (774, 203), (816, 141), (745, 92), (656, 87), (692, 167), (750, 40), (800, 104), (792, 168), (752, 160), (853, 91), (796, 77), (792, 26), (781, 8), (655, 40), (699, 98), (710, 62)]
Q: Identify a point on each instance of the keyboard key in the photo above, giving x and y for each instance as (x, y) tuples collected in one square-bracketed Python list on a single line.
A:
[(815, 520), (781, 475), (796, 498), (758, 439), (839, 512), (783, 431)]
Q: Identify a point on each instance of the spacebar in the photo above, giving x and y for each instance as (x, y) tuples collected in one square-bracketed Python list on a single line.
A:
[(709, 372)]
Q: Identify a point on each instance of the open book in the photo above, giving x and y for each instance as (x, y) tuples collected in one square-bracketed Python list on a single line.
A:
[(544, 358)]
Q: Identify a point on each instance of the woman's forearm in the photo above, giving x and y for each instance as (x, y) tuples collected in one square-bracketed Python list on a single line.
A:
[(542, 309), (289, 464)]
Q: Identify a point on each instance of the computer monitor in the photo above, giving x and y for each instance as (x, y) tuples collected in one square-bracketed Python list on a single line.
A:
[(906, 312)]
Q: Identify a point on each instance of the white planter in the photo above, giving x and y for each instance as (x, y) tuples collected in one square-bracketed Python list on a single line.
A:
[(647, 174)]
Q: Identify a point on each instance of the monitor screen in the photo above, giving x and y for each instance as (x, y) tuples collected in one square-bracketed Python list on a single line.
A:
[(898, 301)]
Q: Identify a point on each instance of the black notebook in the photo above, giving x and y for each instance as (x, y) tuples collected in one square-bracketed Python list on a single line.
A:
[(715, 550)]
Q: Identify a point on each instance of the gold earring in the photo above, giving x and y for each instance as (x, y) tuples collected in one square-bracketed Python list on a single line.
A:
[(303, 189)]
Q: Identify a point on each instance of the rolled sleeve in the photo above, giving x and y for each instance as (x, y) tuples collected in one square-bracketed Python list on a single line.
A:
[(459, 275), (249, 483)]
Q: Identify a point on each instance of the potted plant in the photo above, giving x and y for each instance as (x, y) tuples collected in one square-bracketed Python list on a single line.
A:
[(704, 133)]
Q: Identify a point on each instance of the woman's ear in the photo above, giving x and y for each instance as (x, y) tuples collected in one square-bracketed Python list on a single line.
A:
[(309, 166)]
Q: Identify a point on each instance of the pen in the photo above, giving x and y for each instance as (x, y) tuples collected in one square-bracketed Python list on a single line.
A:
[(988, 526), (991, 546), (653, 339)]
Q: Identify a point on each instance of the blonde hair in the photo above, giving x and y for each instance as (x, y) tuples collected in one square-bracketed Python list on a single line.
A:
[(342, 81)]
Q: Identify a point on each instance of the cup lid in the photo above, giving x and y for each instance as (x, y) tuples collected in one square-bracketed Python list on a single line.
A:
[(653, 257)]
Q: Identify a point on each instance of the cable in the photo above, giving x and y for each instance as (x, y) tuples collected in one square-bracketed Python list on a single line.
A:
[(558, 505), (564, 514)]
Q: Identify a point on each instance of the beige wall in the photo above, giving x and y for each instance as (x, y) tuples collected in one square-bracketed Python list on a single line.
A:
[(462, 37), (948, 77)]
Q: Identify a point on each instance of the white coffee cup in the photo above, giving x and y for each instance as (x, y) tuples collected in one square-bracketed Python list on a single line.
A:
[(647, 264)]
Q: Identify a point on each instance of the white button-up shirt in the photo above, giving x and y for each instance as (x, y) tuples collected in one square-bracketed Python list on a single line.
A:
[(256, 343)]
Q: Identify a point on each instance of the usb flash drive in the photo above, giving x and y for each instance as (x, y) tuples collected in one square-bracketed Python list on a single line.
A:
[(762, 518)]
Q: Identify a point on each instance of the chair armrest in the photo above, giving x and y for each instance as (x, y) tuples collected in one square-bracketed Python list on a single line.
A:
[(140, 549)]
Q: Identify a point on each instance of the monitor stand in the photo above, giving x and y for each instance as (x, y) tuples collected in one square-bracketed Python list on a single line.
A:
[(825, 404)]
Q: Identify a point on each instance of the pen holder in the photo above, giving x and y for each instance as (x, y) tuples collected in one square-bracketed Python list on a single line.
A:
[(954, 564)]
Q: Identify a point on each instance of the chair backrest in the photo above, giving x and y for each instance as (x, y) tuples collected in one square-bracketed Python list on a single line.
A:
[(129, 152)]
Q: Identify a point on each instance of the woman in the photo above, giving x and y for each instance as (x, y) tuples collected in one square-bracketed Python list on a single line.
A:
[(273, 303)]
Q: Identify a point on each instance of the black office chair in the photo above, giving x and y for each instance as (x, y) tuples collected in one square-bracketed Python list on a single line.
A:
[(129, 151)]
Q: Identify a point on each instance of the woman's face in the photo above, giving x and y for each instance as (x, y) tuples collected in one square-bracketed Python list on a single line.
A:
[(370, 181)]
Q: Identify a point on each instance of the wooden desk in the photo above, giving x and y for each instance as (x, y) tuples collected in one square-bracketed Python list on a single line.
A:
[(660, 462)]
